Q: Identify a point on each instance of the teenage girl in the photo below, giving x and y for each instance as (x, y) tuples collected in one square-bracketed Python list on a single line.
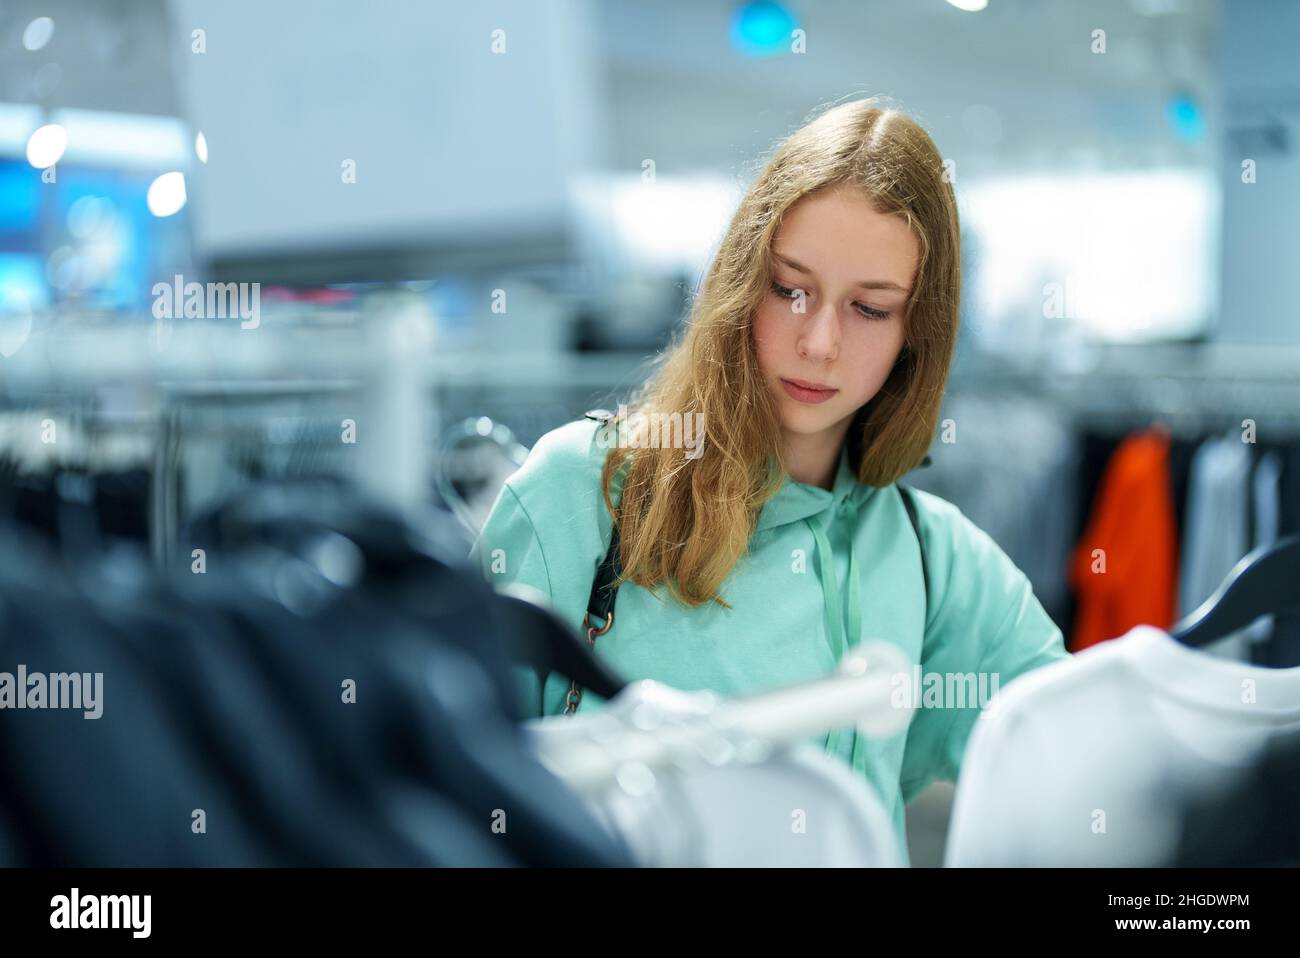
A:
[(815, 357)]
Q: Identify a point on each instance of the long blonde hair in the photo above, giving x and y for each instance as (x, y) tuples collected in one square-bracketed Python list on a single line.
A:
[(686, 521)]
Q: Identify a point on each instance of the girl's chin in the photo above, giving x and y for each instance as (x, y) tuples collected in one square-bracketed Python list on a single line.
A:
[(808, 421)]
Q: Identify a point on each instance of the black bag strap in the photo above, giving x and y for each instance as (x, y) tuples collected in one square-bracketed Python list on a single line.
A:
[(600, 605), (599, 617), (909, 504)]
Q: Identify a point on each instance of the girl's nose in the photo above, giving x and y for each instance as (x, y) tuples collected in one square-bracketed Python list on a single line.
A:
[(819, 339)]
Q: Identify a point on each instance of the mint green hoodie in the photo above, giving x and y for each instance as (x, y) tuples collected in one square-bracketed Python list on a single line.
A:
[(790, 619)]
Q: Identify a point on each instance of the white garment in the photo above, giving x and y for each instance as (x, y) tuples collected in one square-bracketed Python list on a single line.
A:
[(1215, 540), (1268, 508), (1268, 517), (1084, 762), (757, 808), (1217, 509)]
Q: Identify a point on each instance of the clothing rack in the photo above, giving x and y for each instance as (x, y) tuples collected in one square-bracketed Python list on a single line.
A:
[(1193, 389), (187, 375)]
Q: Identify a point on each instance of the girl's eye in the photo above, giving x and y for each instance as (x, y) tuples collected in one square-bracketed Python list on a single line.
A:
[(787, 292), (870, 313)]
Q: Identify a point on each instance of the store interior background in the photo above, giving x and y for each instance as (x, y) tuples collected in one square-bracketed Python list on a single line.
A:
[(589, 169)]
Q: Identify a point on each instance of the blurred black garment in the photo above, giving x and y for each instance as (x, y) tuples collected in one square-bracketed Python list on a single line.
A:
[(1252, 822), (1285, 646), (77, 504), (224, 691)]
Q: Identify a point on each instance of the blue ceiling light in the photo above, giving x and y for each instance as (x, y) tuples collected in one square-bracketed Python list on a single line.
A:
[(1185, 116), (761, 28)]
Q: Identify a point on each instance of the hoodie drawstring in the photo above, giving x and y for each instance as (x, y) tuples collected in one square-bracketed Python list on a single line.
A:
[(840, 639)]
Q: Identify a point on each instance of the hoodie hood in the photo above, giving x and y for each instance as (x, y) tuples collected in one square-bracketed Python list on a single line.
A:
[(818, 509), (797, 501)]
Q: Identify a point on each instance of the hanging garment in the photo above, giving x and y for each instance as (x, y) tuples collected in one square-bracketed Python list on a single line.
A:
[(1285, 644), (1124, 568), (1087, 762), (1265, 494), (326, 692), (825, 570), (730, 804), (1215, 531), (77, 506)]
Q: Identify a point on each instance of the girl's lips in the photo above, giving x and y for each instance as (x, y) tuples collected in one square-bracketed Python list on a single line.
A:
[(807, 395)]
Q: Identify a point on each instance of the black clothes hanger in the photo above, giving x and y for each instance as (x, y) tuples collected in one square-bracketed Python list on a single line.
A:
[(292, 514), (540, 638), (288, 519), (1266, 582)]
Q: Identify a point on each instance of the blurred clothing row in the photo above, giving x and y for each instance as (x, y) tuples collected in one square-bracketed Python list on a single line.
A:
[(1169, 520), (1118, 529)]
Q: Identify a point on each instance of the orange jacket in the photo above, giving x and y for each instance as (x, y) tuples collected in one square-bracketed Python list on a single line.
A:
[(1124, 569)]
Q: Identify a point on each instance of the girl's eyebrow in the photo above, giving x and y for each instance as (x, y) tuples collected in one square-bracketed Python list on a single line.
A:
[(865, 284)]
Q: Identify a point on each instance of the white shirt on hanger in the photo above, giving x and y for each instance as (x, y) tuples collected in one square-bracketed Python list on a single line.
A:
[(795, 806), (1084, 762)]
